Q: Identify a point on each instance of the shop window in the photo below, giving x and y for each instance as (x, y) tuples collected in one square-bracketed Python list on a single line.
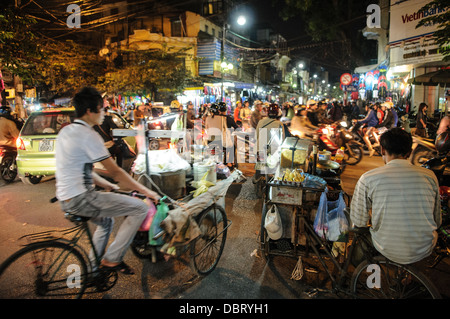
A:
[(176, 28)]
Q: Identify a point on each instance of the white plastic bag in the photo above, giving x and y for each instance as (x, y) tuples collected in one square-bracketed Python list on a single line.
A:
[(273, 224)]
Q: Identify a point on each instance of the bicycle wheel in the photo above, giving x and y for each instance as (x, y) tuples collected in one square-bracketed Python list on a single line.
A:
[(385, 279), (44, 270), (208, 247)]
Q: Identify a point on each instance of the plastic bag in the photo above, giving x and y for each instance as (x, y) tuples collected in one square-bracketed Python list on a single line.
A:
[(273, 224), (145, 226), (330, 222), (161, 213), (320, 222)]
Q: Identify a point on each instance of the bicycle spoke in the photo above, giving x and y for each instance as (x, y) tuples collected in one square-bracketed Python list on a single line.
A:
[(43, 270)]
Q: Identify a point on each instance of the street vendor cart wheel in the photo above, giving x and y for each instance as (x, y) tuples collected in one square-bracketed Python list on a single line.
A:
[(264, 237), (208, 247)]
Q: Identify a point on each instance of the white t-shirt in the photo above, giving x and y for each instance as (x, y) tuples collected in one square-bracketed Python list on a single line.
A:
[(78, 147)]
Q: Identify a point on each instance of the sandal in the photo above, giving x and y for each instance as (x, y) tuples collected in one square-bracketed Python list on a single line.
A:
[(123, 268)]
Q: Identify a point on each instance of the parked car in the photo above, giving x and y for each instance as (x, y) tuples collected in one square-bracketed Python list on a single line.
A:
[(36, 142)]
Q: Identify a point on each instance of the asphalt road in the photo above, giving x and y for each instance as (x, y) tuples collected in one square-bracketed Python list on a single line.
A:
[(240, 274)]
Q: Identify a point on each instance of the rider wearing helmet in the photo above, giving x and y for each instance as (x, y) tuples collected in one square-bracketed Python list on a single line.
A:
[(371, 120)]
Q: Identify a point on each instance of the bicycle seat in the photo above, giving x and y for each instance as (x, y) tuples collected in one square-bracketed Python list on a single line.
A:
[(76, 218)]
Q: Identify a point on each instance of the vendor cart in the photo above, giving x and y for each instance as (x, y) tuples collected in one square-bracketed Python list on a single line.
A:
[(295, 190), (196, 222)]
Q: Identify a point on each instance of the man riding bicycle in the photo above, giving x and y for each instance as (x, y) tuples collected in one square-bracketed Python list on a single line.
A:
[(78, 147), (400, 202)]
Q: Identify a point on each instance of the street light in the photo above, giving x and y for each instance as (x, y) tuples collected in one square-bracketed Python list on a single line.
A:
[(241, 20)]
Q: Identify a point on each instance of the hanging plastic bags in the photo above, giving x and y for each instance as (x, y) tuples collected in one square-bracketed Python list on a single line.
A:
[(330, 222), (161, 213)]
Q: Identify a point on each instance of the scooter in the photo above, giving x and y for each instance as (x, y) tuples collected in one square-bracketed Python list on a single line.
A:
[(334, 136), (8, 166), (357, 131), (423, 150)]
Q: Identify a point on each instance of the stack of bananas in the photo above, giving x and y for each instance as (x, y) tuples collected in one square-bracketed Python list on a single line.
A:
[(201, 186), (293, 176)]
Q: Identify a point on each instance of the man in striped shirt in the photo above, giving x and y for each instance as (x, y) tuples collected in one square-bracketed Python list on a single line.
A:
[(399, 201)]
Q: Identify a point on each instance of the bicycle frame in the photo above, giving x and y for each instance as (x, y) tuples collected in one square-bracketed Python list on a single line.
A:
[(80, 229)]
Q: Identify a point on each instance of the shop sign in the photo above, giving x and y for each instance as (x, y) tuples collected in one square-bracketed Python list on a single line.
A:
[(404, 17), (417, 51)]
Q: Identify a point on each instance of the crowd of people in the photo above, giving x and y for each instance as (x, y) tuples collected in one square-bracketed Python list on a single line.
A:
[(398, 240)]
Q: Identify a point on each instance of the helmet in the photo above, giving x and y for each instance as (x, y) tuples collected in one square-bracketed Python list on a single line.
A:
[(273, 110), (222, 107), (443, 142), (214, 108)]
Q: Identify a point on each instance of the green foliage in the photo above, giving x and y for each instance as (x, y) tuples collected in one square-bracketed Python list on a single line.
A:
[(69, 66), (19, 51), (148, 71), (442, 34)]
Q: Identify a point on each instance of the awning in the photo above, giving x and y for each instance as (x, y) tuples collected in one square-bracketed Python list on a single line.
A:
[(440, 77)]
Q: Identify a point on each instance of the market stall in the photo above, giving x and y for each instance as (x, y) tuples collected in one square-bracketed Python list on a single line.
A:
[(294, 196)]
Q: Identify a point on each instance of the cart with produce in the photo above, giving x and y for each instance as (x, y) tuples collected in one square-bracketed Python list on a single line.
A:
[(292, 198)]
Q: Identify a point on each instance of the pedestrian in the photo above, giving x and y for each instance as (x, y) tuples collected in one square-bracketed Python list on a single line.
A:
[(421, 120), (336, 113), (78, 147), (354, 112), (256, 114), (245, 114), (237, 113), (399, 202), (190, 115), (105, 131)]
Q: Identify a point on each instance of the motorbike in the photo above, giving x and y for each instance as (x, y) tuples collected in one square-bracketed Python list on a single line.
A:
[(8, 166), (438, 164), (334, 136), (424, 149), (358, 134)]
